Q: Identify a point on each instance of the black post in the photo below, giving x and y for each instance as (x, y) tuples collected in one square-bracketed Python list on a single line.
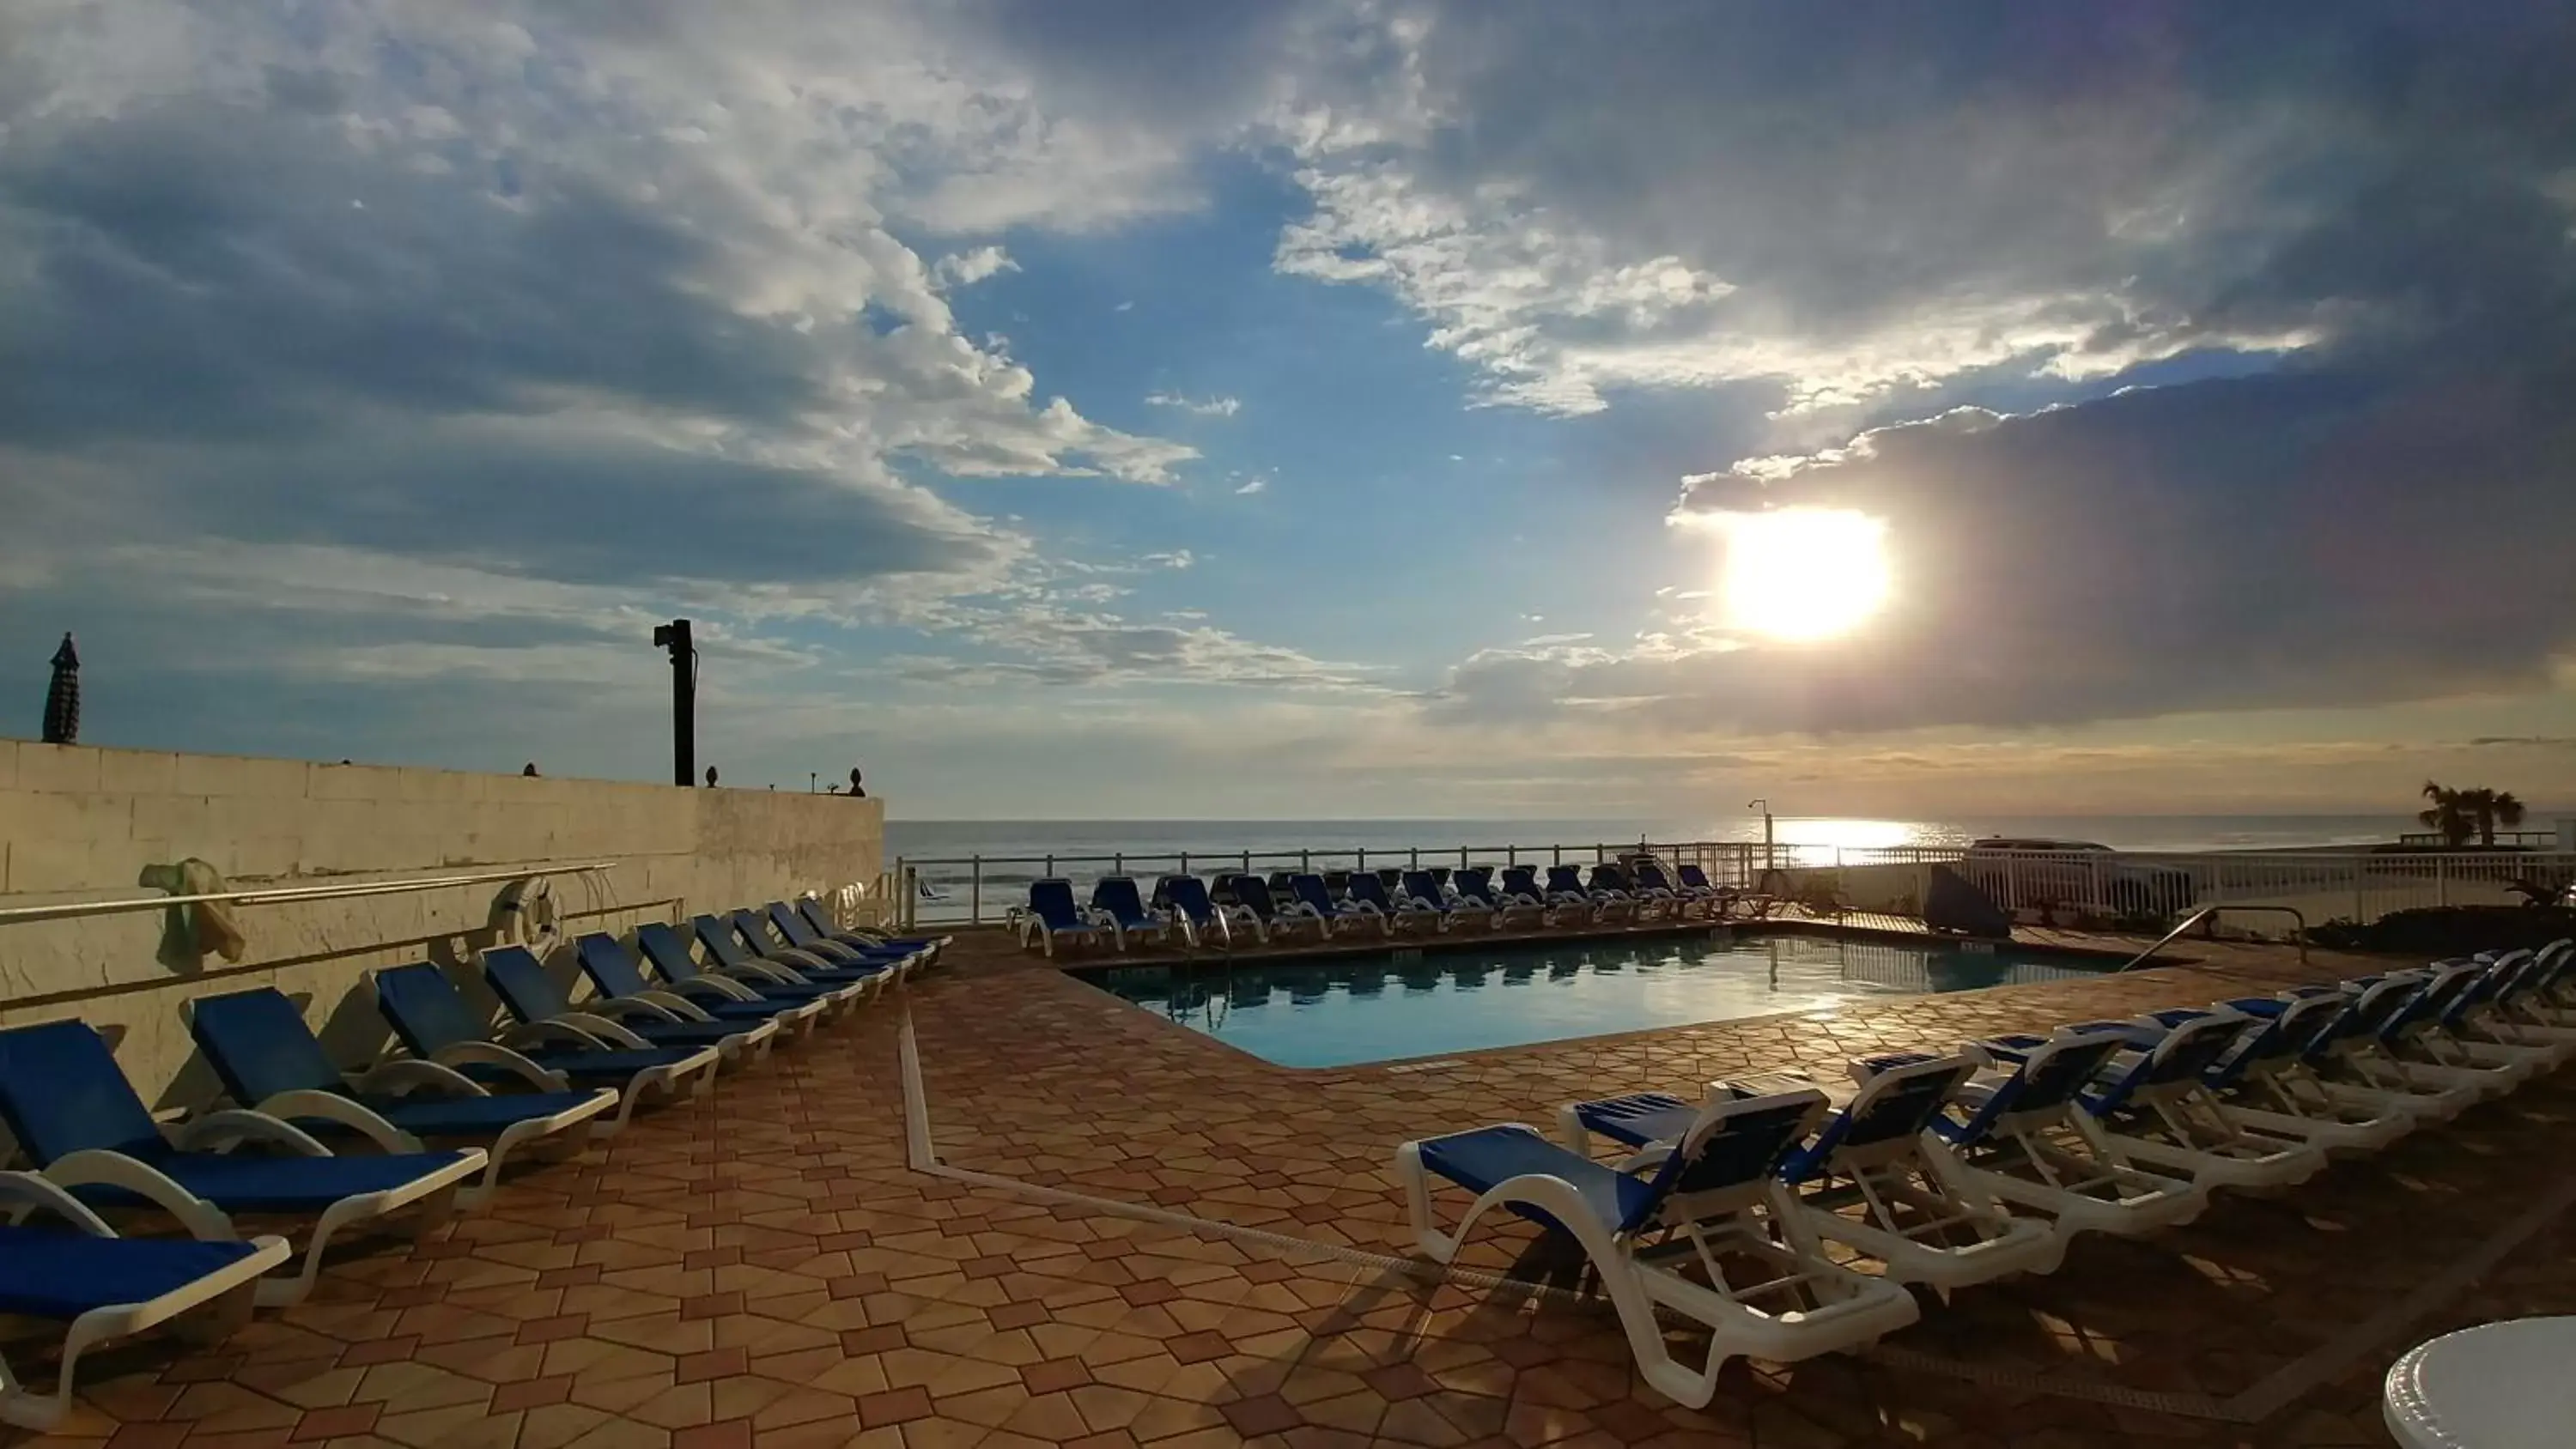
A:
[(674, 636)]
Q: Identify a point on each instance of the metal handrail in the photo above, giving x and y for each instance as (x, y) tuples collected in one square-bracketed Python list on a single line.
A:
[(2207, 912), (70, 910)]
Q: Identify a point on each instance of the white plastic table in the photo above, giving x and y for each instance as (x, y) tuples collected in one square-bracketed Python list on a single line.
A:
[(2496, 1386)]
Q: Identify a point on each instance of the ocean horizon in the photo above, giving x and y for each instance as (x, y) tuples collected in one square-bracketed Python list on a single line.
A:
[(1005, 839)]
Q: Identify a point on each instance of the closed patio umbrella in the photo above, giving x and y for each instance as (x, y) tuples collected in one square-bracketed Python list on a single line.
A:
[(62, 697)]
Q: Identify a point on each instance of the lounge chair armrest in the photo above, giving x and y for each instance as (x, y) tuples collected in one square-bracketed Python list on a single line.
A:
[(602, 1031), (617, 1008), (679, 1007), (493, 1054), (96, 1166), (24, 1192), (772, 972), (404, 1075), (223, 1131), (531, 1035), (332, 1107), (724, 987)]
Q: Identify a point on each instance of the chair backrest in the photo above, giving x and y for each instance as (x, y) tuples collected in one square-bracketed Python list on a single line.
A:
[(425, 1009), (724, 947), (1051, 901), (1896, 1104), (811, 908), (2043, 1083), (1253, 893), (1692, 876), (2284, 1037), (1309, 887), (609, 965), (259, 1046), (1368, 889), (2449, 979), (666, 950), (1187, 895), (1520, 880), (61, 1091), (1567, 879), (2189, 1049), (1476, 883), (795, 928), (1117, 895), (753, 928), (1419, 884), (1608, 877), (1734, 1146), (1650, 876), (520, 980)]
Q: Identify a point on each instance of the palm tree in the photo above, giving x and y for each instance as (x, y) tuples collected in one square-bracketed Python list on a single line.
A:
[(2448, 814), (2478, 811)]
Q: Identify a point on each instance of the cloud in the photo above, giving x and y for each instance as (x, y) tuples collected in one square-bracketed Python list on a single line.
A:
[(1254, 485), (1179, 558), (1751, 194), (1215, 407), (965, 269)]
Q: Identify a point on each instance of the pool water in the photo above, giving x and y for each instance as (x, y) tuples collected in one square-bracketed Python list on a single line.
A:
[(1339, 1012)]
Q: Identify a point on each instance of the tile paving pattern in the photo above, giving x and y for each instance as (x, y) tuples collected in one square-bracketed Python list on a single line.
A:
[(762, 1268)]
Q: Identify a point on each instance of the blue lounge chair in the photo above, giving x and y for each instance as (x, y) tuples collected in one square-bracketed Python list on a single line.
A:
[(1867, 1179), (1369, 889), (270, 1062), (79, 1121), (729, 953), (2016, 1134), (926, 947), (666, 949), (1116, 901), (614, 972), (1566, 896), (1421, 893), (2153, 1106), (105, 1286), (1523, 897), (1606, 890), (1252, 893), (2263, 1083), (1712, 1203), (1186, 896), (529, 994), (753, 933), (1653, 887), (1475, 885), (800, 933), (430, 1018), (1310, 898), (1052, 916)]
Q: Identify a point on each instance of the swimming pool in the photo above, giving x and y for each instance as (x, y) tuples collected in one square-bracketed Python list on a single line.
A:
[(1335, 1012)]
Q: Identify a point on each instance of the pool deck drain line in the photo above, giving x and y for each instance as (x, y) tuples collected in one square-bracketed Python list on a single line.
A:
[(2258, 1402)]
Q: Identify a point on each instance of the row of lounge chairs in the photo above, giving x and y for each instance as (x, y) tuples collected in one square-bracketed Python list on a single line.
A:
[(1746, 1210), (429, 1129), (1320, 905)]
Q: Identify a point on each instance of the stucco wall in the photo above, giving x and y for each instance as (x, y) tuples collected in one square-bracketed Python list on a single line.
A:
[(79, 824)]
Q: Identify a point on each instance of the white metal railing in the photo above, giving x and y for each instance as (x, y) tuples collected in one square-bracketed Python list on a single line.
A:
[(2135, 887), (285, 895)]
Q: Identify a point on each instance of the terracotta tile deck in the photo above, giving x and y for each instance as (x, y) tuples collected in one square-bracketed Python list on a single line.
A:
[(764, 1269)]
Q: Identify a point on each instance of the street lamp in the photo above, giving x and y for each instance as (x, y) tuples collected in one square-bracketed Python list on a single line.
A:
[(1765, 807)]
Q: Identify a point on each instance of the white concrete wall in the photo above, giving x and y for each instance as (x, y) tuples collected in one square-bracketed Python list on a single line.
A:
[(82, 824)]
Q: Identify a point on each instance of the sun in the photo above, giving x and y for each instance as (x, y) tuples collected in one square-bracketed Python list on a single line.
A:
[(1803, 573)]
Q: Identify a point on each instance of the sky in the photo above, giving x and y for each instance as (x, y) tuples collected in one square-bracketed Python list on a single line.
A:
[(1372, 408)]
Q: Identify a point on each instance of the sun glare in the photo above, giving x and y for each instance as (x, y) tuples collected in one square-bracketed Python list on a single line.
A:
[(1803, 573)]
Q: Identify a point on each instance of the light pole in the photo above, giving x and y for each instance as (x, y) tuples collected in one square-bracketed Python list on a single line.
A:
[(1768, 863), (674, 636)]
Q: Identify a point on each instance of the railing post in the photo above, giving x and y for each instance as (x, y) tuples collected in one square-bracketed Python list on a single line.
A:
[(1306, 861), (1362, 866), (1118, 862), (1556, 855), (975, 890), (2441, 881), (1185, 862), (1050, 863), (2359, 866), (1511, 855)]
